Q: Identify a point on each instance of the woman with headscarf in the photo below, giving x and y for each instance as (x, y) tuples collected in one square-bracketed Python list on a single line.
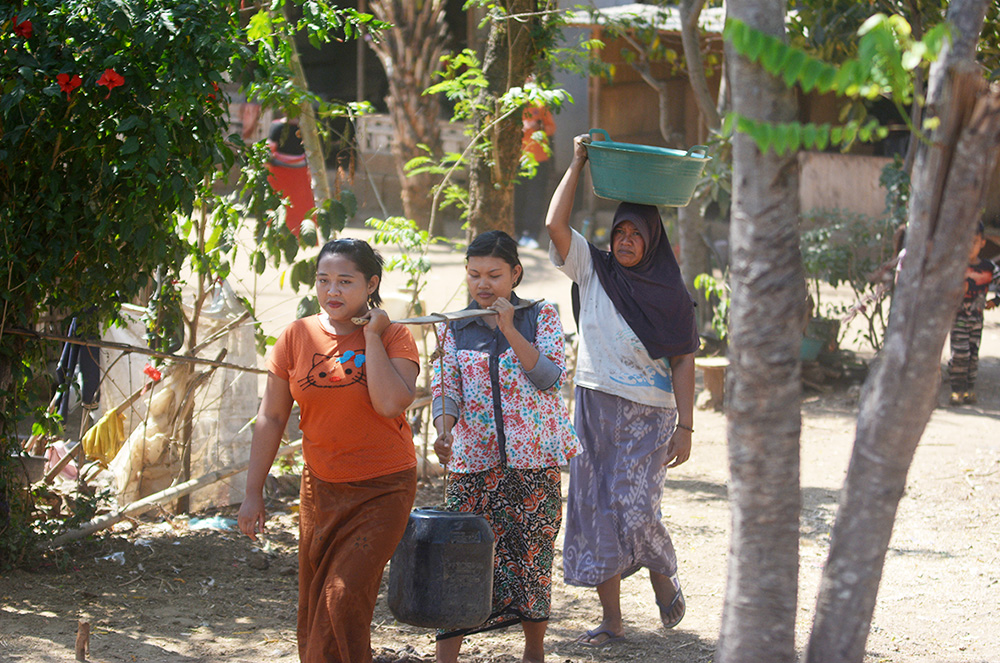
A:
[(634, 402)]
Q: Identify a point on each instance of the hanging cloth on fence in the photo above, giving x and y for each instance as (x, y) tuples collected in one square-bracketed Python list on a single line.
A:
[(104, 440)]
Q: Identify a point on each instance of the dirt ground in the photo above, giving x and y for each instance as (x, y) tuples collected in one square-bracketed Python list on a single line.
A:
[(159, 590)]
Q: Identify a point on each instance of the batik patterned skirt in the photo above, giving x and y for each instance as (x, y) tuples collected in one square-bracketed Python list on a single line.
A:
[(524, 510), (613, 521)]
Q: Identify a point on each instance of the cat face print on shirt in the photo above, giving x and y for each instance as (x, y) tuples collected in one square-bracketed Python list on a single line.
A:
[(332, 371)]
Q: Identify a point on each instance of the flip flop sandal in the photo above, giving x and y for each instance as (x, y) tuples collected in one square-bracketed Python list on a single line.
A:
[(666, 610), (610, 639)]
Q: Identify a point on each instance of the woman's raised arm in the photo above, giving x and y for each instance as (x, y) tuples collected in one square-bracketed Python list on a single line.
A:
[(561, 205)]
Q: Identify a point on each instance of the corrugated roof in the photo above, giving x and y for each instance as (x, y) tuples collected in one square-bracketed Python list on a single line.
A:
[(666, 18)]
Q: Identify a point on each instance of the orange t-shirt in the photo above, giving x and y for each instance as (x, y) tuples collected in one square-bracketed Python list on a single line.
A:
[(343, 437)]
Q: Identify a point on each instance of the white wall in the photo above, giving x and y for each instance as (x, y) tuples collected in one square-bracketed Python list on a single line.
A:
[(841, 182)]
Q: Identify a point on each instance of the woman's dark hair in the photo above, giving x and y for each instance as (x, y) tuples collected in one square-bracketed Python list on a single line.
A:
[(368, 261), (496, 244)]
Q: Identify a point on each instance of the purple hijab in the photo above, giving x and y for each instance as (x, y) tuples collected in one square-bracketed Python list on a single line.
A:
[(651, 295)]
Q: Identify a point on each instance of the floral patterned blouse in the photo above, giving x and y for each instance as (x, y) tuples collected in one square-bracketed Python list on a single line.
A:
[(483, 377)]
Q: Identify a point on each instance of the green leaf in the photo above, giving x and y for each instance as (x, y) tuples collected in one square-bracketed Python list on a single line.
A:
[(811, 73), (793, 66), (827, 79), (260, 28), (307, 306), (121, 21), (809, 136), (756, 44), (307, 233), (130, 146), (727, 124), (350, 204), (914, 56), (874, 21), (290, 247), (936, 38), (822, 137), (772, 58), (794, 137), (129, 123)]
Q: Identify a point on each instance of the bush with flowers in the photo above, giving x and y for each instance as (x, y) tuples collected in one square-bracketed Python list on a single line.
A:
[(110, 122), (113, 129)]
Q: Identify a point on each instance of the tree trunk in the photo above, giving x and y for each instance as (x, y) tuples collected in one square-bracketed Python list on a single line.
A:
[(690, 11), (693, 231), (642, 66), (510, 56), (309, 130), (695, 253), (949, 178), (410, 52), (763, 383)]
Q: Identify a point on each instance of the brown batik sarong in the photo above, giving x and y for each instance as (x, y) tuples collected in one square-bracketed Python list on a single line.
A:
[(347, 533)]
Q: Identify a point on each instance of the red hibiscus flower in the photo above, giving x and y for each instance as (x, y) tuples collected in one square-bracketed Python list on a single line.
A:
[(110, 79), (153, 374), (24, 28), (68, 83)]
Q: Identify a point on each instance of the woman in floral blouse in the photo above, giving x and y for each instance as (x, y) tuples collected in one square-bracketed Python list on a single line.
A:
[(503, 432)]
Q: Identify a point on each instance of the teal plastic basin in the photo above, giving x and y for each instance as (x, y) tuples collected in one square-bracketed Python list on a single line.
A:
[(644, 173)]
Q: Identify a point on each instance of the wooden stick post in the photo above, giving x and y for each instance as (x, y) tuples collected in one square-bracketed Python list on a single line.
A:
[(82, 640)]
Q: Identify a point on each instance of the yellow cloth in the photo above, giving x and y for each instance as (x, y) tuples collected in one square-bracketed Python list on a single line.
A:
[(104, 439)]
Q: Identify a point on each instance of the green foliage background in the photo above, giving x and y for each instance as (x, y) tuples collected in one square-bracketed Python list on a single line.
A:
[(105, 186), (98, 173), (91, 177)]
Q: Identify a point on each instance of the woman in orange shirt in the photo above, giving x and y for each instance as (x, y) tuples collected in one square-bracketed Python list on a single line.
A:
[(353, 384)]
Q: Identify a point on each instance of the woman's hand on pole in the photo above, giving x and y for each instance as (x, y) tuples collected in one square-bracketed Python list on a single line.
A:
[(442, 447), (526, 352), (505, 315), (378, 321)]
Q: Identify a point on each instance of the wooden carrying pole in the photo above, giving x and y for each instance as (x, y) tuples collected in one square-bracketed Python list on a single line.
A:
[(167, 495)]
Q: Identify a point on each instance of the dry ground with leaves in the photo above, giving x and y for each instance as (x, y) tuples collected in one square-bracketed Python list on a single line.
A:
[(183, 595)]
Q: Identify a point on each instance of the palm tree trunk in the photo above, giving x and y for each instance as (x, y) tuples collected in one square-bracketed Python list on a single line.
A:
[(410, 52)]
